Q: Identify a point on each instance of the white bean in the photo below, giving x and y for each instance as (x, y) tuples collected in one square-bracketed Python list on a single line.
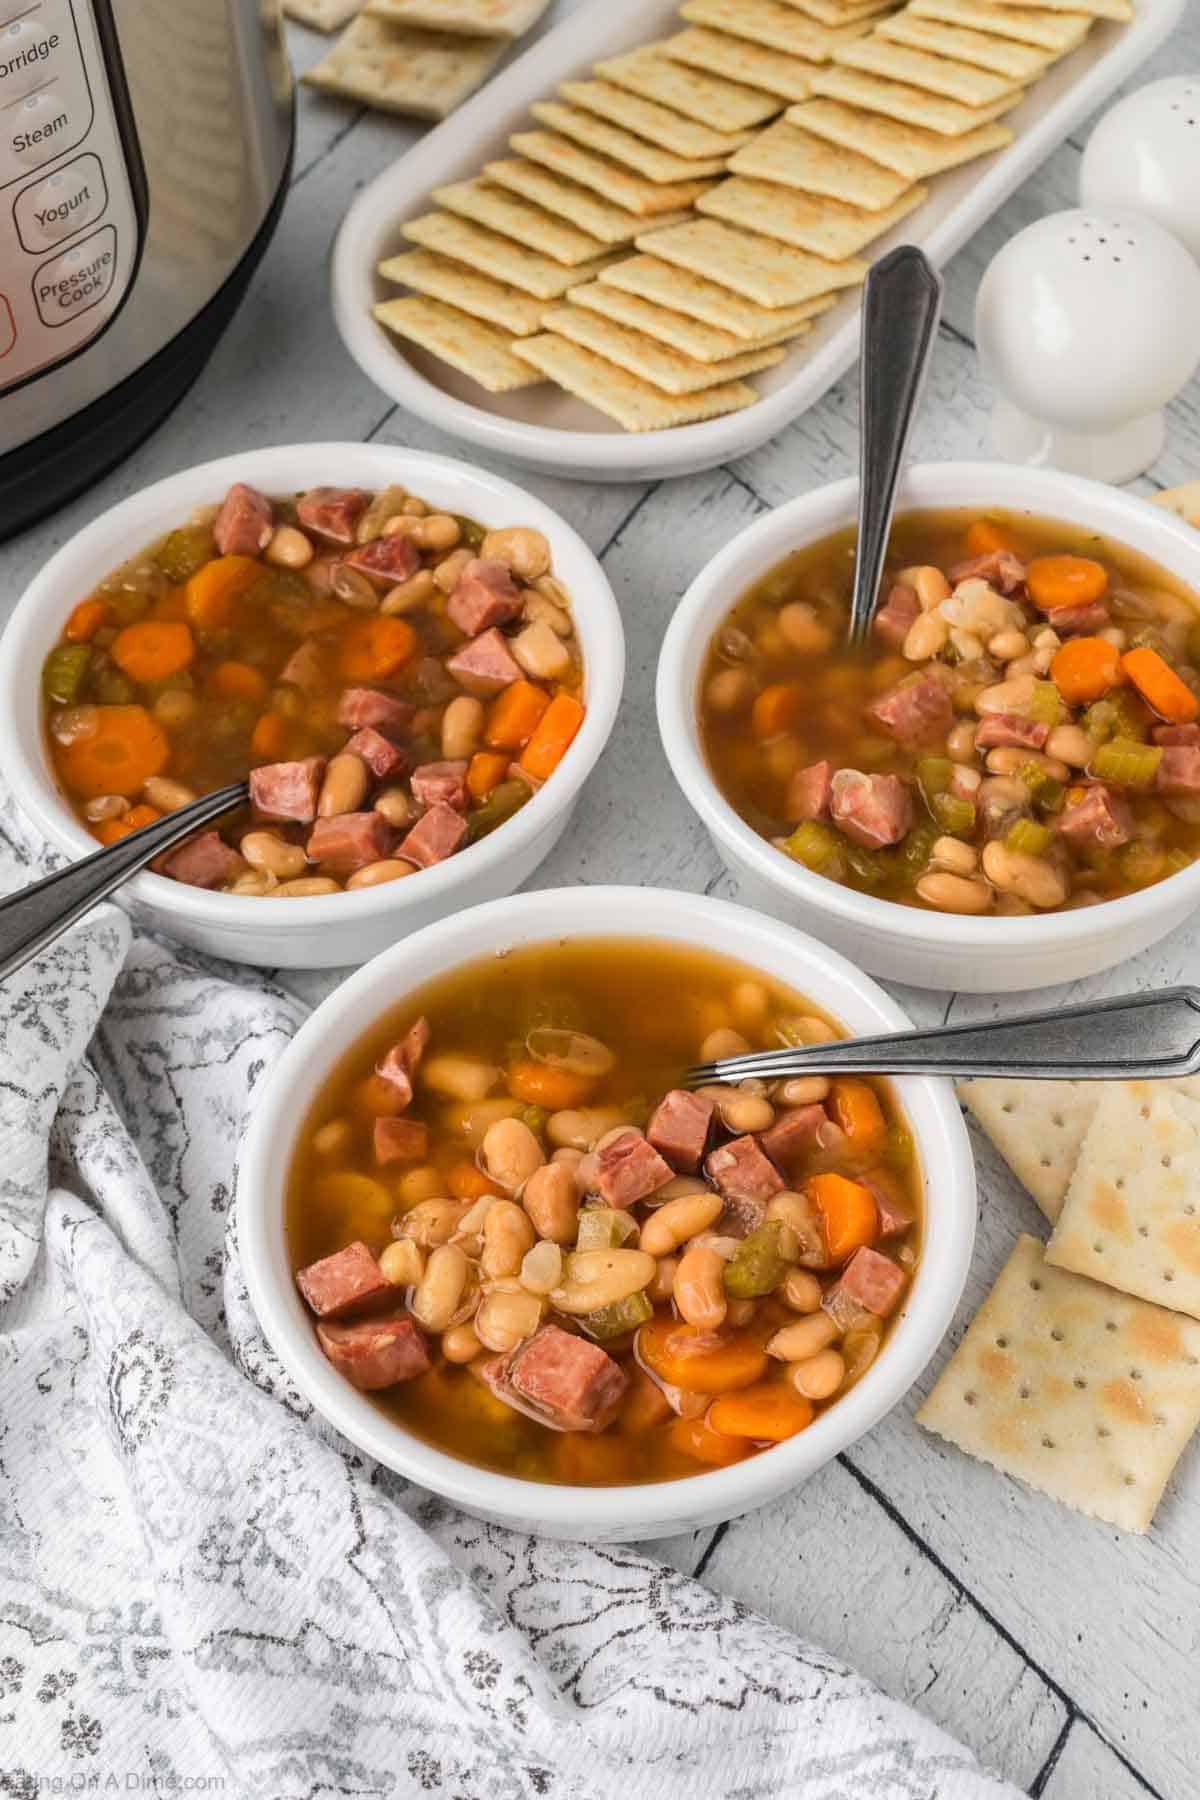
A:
[(511, 1153), (954, 893), (440, 1288), (795, 1343), (462, 727), (526, 551), (507, 1235), (597, 1278), (288, 548), (1030, 878), (698, 1289), (677, 1221), (263, 850), (551, 1199), (345, 785), (505, 1318), (818, 1377)]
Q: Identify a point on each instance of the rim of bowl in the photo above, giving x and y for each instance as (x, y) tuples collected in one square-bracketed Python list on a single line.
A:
[(725, 579), (791, 956), (122, 529)]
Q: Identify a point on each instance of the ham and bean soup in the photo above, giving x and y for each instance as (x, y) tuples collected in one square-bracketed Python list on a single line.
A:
[(396, 682), (538, 1251), (1021, 735)]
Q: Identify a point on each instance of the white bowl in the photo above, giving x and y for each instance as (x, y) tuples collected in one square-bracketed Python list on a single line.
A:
[(906, 943), (324, 931), (657, 1509)]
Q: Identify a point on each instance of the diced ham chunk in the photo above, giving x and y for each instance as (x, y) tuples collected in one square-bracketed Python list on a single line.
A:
[(205, 861), (809, 792), (1102, 818), (1073, 621), (359, 707), (1000, 730), (306, 667), (349, 841), (245, 522), (873, 1280), (1179, 770), (386, 560), (999, 568), (399, 1064), (382, 757), (486, 595), (742, 1172), (678, 1129), (871, 809), (345, 1282), (1176, 734), (915, 712), (401, 1140), (895, 1214), (564, 1381), (288, 790), (332, 513), (894, 618), (629, 1168), (435, 836), (795, 1133), (484, 666), (444, 782), (375, 1353)]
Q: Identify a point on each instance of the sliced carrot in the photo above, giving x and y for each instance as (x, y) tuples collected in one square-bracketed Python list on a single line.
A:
[(645, 1405), (269, 737), (1084, 670), (984, 536), (1055, 581), (1159, 685), (700, 1362), (375, 1098), (857, 1110), (210, 593), (110, 831), (553, 737), (85, 621), (537, 1084), (237, 681), (778, 707), (692, 1437), (485, 771), (171, 605), (375, 646), (769, 1411), (126, 748), (514, 716), (468, 1182), (153, 649), (848, 1213)]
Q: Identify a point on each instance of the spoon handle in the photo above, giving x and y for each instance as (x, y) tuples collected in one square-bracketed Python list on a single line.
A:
[(901, 303), (34, 917)]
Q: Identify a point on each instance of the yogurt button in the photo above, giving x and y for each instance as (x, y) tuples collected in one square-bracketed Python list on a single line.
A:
[(61, 204)]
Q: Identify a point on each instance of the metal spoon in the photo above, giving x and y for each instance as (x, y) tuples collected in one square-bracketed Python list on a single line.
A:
[(33, 918), (901, 303), (1133, 1037)]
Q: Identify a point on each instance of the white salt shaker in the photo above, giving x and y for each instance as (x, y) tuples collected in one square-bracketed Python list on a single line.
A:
[(1145, 155), (1087, 322)]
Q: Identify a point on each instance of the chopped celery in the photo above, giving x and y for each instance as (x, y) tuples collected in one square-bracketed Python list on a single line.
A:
[(470, 532), (600, 1228), (503, 801), (108, 685), (1028, 838), (1100, 720), (898, 1146), (535, 1117), (918, 846), (934, 775), (812, 844), (1050, 796), (614, 1321), (63, 673), (867, 868), (757, 1266), (184, 551), (953, 814), (1126, 762), (1046, 703)]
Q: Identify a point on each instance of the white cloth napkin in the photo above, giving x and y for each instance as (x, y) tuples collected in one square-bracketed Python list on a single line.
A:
[(203, 1589)]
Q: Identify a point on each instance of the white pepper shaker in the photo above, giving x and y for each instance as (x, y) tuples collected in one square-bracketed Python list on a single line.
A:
[(1144, 156)]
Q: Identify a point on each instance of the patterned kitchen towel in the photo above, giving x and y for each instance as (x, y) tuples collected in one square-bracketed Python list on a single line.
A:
[(204, 1590)]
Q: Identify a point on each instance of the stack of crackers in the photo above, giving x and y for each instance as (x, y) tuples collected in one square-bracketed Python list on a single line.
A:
[(1080, 1374), (665, 227), (422, 57)]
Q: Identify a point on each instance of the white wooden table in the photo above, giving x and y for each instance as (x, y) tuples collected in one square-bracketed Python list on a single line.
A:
[(1066, 1653)]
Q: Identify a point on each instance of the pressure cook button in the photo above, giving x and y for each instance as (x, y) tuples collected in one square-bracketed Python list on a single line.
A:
[(77, 279), (61, 204)]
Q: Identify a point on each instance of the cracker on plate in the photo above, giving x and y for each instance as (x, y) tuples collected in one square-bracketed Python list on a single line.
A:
[(472, 18), (705, 99), (911, 105), (396, 69), (840, 12), (1038, 1127), (1183, 501), (785, 153), (600, 221), (703, 342), (828, 228), (322, 15), (498, 210), (738, 60), (497, 256), (773, 25), (660, 365), (622, 146), (908, 150), (635, 193), (1087, 1395), (932, 74), (1055, 31), (681, 290), (1120, 10), (440, 279), (1131, 1217), (756, 267), (659, 125), (632, 402), (467, 344), (1003, 56)]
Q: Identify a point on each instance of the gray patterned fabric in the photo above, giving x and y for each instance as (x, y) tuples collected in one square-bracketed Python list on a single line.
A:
[(203, 1589)]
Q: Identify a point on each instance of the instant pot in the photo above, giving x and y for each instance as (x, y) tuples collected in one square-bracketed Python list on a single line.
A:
[(145, 147)]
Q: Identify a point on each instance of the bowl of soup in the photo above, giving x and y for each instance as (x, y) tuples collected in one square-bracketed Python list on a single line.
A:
[(1001, 789), (415, 663), (499, 1242)]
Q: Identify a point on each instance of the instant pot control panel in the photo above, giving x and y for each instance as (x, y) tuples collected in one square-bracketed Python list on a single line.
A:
[(71, 211)]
